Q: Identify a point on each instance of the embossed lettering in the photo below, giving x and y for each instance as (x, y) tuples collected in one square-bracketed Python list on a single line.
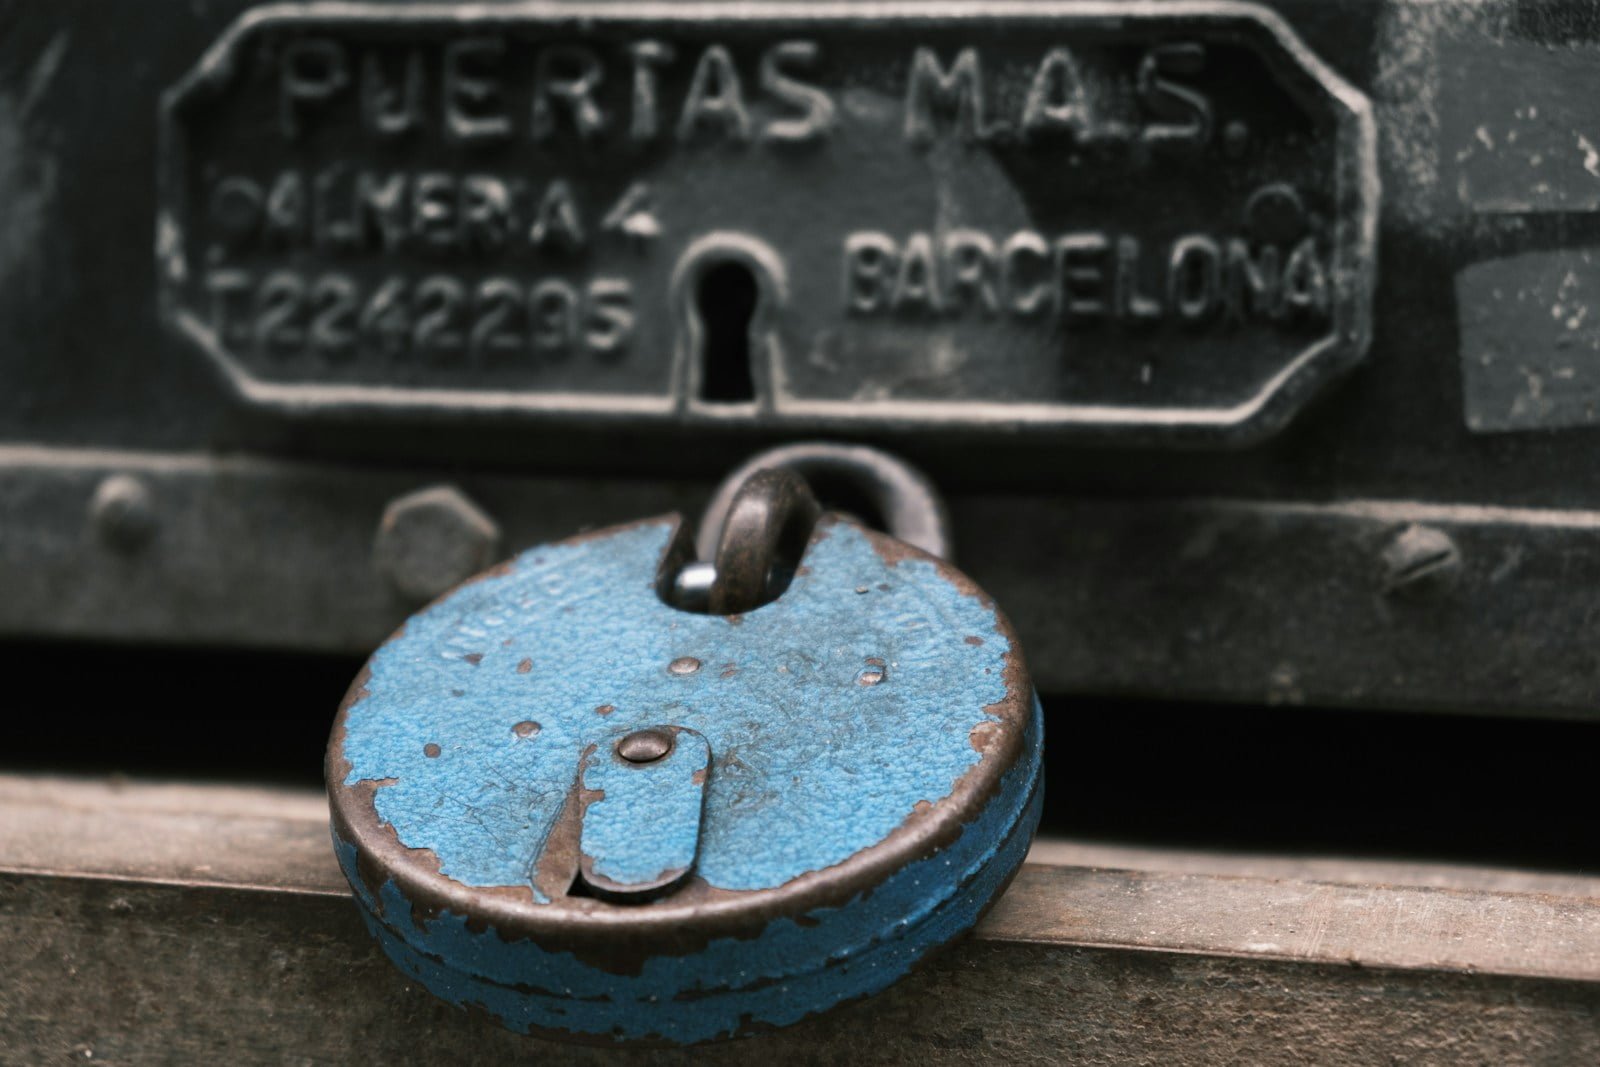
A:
[(277, 304), (1305, 283), (1252, 282), (611, 315), (438, 302), (647, 56), (960, 87), (1131, 303), (869, 262), (1081, 275), (1194, 277), (333, 325), (473, 106), (553, 309), (384, 322), (380, 204), (1085, 276), (497, 303), (311, 71), (433, 209), (485, 212), (1056, 99), (330, 229), (715, 98), (285, 215), (225, 287), (969, 258), (557, 222), (391, 111), (1188, 110), (633, 215), (814, 104), (568, 74), (917, 282), (1022, 296)]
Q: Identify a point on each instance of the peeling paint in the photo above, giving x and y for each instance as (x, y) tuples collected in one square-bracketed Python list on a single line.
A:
[(846, 831)]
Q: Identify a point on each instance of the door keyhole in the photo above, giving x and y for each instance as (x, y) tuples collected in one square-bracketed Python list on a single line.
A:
[(726, 301)]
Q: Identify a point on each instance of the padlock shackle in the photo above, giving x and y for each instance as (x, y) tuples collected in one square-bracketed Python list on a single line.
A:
[(910, 508), (764, 534)]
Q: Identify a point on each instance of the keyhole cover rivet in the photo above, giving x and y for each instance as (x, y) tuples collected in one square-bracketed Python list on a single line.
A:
[(645, 746)]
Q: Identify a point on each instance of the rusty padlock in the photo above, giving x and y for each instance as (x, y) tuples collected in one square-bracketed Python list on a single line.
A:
[(564, 799)]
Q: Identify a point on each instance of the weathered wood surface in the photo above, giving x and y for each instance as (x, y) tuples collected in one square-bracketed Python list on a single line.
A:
[(155, 924)]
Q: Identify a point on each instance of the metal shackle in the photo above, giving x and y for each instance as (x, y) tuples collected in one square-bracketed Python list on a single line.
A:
[(764, 507)]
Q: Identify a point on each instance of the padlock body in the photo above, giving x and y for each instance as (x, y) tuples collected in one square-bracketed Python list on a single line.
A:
[(872, 784)]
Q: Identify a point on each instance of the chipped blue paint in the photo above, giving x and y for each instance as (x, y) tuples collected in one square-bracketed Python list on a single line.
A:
[(645, 828), (795, 969), (810, 765), (800, 747)]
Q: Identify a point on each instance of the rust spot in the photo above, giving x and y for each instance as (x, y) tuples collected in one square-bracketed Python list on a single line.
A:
[(525, 666), (974, 640), (380, 851), (802, 571), (605, 709), (729, 671), (699, 777), (734, 620), (875, 661), (526, 728), (983, 737), (922, 807), (431, 750), (473, 658)]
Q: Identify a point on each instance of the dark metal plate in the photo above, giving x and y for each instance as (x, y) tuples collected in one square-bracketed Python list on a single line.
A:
[(1131, 219)]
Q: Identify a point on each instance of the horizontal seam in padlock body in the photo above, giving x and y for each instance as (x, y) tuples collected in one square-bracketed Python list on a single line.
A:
[(701, 1013), (725, 1014), (725, 914)]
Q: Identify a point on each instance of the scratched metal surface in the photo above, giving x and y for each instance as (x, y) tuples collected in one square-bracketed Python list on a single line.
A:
[(842, 717)]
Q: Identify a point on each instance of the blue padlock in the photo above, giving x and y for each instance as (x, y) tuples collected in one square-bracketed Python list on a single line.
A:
[(565, 800)]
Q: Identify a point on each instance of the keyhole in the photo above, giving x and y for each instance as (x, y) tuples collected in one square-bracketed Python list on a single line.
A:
[(726, 302)]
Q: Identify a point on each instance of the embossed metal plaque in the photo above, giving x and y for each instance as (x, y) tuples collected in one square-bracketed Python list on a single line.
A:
[(1133, 219)]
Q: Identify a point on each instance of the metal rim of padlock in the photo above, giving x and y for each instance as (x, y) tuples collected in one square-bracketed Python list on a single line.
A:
[(406, 869)]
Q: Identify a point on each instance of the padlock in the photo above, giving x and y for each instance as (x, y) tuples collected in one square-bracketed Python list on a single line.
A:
[(564, 800)]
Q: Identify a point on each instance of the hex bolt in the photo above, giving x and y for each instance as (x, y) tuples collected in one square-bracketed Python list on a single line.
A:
[(645, 746), (1420, 561), (432, 540), (122, 512)]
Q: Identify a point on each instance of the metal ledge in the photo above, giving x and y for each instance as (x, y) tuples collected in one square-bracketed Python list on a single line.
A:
[(1362, 602), (178, 923)]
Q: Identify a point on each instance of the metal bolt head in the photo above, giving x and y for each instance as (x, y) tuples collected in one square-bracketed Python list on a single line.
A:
[(1420, 561), (432, 540), (646, 746), (122, 512)]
